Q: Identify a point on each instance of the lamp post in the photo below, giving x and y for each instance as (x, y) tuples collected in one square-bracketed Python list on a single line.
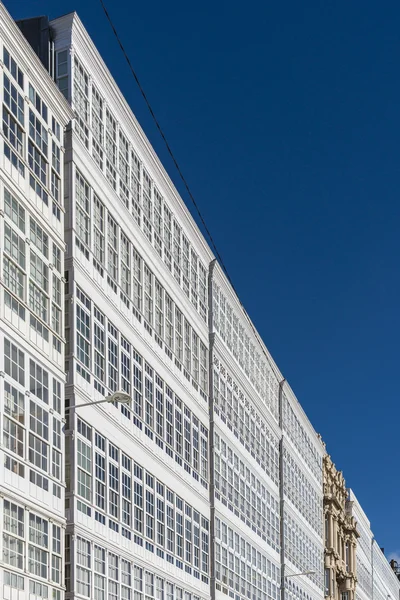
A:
[(120, 397), (284, 577)]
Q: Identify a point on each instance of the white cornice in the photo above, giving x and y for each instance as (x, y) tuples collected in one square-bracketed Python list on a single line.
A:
[(33, 67)]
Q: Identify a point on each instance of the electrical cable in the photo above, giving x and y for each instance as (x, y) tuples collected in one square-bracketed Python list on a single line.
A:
[(213, 244)]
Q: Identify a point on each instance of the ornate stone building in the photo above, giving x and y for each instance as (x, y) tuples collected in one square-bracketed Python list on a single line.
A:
[(340, 536)]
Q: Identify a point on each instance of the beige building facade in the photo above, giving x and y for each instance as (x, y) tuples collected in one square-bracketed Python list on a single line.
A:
[(340, 536)]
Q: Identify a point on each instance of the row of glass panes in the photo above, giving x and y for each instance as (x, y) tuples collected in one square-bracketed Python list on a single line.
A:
[(125, 172), (302, 551), (364, 577), (100, 574), (301, 492), (294, 591), (156, 409), (195, 354), (128, 273), (241, 567), (18, 76), (245, 421), (121, 488), (13, 583), (31, 543), (241, 490), (33, 148), (300, 438), (232, 329), (29, 431), (30, 273)]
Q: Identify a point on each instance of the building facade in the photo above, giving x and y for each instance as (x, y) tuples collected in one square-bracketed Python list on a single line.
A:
[(267, 466), (213, 482), (375, 577), (137, 500), (32, 519), (340, 537)]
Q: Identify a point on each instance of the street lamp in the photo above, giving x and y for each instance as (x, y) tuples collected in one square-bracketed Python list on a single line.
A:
[(284, 577), (299, 574), (120, 397)]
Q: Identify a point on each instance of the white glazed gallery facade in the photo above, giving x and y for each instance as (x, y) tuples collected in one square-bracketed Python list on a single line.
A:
[(375, 577), (182, 494), (145, 313), (32, 519)]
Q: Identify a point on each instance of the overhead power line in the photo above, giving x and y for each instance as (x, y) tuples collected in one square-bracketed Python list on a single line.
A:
[(185, 183)]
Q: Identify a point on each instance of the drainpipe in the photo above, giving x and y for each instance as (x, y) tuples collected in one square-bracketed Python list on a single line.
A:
[(211, 429), (281, 493)]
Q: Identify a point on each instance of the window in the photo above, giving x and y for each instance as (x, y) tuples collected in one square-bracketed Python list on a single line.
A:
[(57, 257), (83, 335), (14, 210), (111, 149), (37, 163), (13, 68), (39, 272), (81, 101), (57, 396), (39, 238), (97, 127), (38, 102), (82, 218), (112, 232), (98, 233), (38, 531), (13, 132), (38, 381), (14, 100), (13, 544), (14, 278), (125, 265), (13, 580), (14, 362), (62, 72), (14, 245), (56, 152), (38, 452), (37, 561), (112, 358), (38, 132)]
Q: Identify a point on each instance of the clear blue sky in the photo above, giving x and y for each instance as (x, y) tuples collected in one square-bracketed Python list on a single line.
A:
[(285, 119)]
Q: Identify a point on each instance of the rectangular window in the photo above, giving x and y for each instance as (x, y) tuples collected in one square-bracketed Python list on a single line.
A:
[(98, 233), (62, 72), (82, 217), (125, 266), (14, 210), (112, 232), (38, 102), (13, 132), (39, 238), (13, 68), (38, 381), (111, 149), (38, 132), (81, 101), (37, 163), (97, 127), (14, 362), (14, 100)]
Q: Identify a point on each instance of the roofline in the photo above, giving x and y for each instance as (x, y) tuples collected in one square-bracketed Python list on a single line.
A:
[(30, 55)]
